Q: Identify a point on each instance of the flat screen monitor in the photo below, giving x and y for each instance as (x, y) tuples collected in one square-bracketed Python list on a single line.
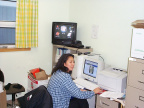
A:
[(91, 68), (64, 33)]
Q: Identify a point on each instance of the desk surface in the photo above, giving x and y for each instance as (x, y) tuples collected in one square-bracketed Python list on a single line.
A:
[(103, 102)]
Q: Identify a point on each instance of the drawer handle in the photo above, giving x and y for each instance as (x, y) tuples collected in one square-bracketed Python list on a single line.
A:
[(141, 98), (143, 72), (141, 82), (105, 104)]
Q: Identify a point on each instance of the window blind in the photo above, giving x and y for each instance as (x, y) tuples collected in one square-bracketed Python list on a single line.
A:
[(7, 22)]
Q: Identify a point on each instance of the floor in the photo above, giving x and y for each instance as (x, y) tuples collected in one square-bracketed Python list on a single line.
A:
[(9, 104)]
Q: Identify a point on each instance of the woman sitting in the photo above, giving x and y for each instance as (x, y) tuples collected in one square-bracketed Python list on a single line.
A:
[(61, 86)]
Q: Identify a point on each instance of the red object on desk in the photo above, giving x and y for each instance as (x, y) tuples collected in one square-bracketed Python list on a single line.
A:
[(102, 91), (33, 71)]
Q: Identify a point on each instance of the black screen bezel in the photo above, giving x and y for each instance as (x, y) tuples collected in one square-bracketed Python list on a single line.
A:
[(63, 41)]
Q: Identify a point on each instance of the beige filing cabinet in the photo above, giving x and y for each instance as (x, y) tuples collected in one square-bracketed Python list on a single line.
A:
[(102, 102), (135, 84)]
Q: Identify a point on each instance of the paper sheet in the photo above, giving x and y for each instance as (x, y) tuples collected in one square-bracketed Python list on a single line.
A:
[(79, 86), (113, 95), (1, 86), (121, 101)]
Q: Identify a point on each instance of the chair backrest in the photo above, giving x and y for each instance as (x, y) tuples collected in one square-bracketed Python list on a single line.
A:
[(1, 76)]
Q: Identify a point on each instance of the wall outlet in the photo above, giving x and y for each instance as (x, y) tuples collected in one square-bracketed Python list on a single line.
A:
[(95, 31)]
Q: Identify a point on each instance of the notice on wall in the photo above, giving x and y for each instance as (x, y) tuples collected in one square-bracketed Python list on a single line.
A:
[(137, 49)]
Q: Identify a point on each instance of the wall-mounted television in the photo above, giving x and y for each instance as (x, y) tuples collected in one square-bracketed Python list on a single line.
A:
[(64, 33)]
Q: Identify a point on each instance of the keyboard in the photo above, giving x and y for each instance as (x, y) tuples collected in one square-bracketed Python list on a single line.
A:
[(85, 83)]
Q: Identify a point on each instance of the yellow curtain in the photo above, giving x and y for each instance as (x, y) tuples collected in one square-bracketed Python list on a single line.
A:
[(27, 23)]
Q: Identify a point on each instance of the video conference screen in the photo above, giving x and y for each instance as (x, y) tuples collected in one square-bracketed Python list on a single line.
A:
[(90, 68), (64, 31)]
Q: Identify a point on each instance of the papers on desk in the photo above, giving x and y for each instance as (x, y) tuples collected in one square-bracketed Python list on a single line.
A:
[(113, 95), (121, 101)]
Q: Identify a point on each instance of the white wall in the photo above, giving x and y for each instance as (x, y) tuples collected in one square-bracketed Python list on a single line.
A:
[(15, 65), (114, 19)]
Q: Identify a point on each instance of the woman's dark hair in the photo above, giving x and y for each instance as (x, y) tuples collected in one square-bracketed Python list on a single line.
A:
[(60, 63)]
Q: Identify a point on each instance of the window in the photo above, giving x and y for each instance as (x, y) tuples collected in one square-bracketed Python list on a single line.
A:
[(7, 23)]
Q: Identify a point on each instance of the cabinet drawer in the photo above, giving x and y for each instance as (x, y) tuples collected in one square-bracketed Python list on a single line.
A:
[(106, 103), (136, 73), (134, 98)]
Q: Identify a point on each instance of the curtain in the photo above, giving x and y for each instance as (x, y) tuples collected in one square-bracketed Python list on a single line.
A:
[(27, 23)]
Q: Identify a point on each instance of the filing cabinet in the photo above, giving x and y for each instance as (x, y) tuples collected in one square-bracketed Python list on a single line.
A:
[(135, 98), (102, 102), (135, 84)]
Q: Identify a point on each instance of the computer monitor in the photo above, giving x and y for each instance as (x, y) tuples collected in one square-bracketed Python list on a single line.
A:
[(91, 68)]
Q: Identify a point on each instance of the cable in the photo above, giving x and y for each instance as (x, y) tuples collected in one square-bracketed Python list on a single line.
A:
[(102, 58), (77, 50)]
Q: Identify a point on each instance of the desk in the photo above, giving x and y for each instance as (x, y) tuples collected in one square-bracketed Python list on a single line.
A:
[(102, 102), (91, 102)]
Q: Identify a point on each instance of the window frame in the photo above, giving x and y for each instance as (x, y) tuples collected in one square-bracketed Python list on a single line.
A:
[(14, 49), (10, 48)]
